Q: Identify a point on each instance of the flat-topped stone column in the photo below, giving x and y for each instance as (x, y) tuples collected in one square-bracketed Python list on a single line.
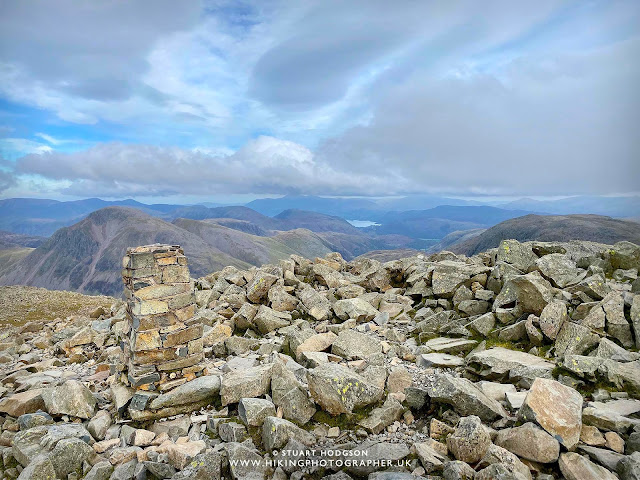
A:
[(164, 343)]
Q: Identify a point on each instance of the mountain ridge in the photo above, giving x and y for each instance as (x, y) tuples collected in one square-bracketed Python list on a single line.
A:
[(81, 257), (597, 228)]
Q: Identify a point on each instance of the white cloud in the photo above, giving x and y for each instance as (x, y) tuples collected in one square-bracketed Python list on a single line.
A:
[(49, 139), (17, 147), (265, 165), (501, 97), (545, 125)]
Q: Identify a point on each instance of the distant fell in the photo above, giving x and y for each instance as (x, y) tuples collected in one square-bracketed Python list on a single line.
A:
[(86, 257), (557, 228), (13, 240)]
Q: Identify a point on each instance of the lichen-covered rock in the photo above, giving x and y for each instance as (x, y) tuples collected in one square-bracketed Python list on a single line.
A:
[(276, 432), (457, 470), (71, 398), (559, 269), (531, 292), (40, 468), (502, 363), (197, 390), (357, 308), (470, 440), (383, 416), (338, 389), (502, 464), (624, 375), (99, 424), (448, 275), (245, 461), (553, 316), (574, 339), (101, 471), (431, 460), (634, 314), (624, 255), (616, 324), (267, 320), (259, 286), (253, 411), (629, 467), (315, 304), (68, 455), (519, 255), (290, 395)]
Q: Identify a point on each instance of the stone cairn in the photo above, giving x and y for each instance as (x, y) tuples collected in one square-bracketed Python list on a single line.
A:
[(163, 346)]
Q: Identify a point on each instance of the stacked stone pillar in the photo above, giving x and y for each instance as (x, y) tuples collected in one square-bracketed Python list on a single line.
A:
[(163, 348)]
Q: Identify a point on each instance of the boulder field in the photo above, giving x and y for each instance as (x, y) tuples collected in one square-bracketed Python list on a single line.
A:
[(518, 363)]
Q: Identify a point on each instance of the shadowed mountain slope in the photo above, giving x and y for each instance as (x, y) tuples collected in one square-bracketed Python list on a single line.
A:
[(438, 222), (558, 228), (253, 249), (316, 222), (13, 240), (86, 257)]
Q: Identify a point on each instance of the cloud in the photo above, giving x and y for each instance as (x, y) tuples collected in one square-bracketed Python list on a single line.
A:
[(49, 139), (265, 165), (548, 125), (94, 50), (444, 97), (17, 147), (85, 62), (317, 60), (7, 180)]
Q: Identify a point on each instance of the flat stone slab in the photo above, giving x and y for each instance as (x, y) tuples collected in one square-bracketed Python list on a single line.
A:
[(602, 456), (606, 419), (194, 391), (499, 361), (625, 407), (448, 345), (439, 360), (465, 397)]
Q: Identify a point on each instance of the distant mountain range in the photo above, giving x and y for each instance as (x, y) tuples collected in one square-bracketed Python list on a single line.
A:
[(551, 228), (608, 206), (34, 216), (417, 216), (87, 238), (86, 256), (436, 223)]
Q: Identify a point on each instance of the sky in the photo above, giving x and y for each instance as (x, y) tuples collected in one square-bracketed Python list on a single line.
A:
[(197, 101)]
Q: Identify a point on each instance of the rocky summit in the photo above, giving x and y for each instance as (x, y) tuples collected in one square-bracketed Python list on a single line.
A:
[(519, 362)]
